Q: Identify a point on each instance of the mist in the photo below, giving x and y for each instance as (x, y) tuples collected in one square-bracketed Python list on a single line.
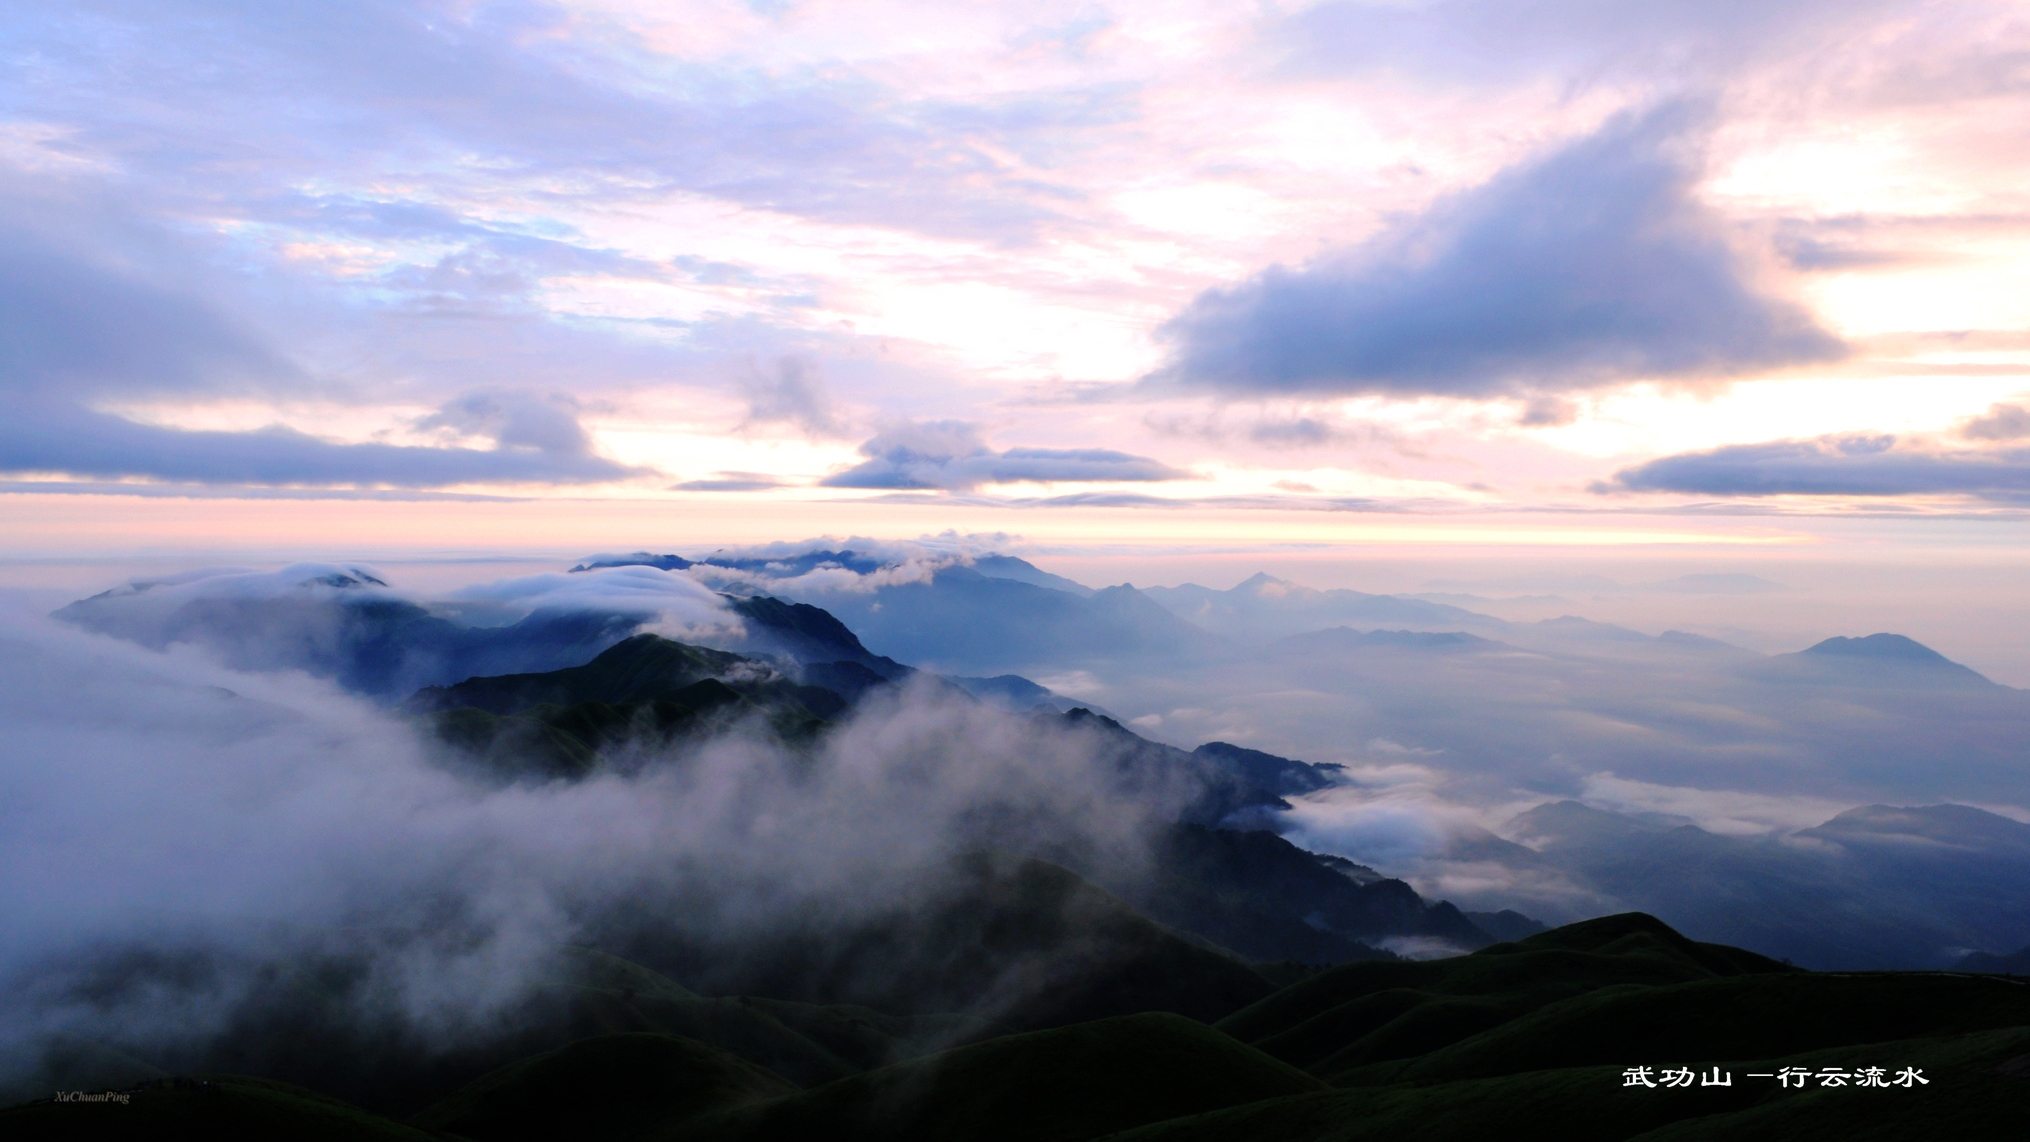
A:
[(182, 831)]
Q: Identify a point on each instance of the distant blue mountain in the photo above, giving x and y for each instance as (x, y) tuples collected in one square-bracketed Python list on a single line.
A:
[(352, 631), (1881, 647), (963, 622), (638, 559), (1014, 693), (1344, 639), (349, 627), (781, 566), (1884, 659), (1874, 887), (1023, 571), (1265, 607)]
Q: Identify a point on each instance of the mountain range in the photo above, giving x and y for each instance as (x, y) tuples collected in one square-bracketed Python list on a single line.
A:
[(1212, 979)]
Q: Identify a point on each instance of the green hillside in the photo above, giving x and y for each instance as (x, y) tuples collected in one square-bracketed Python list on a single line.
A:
[(611, 1087), (1519, 1038), (646, 689), (1024, 942), (1046, 1086), (1975, 1091)]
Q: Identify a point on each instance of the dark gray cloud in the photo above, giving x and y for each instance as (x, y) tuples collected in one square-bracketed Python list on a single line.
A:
[(1857, 465), (1591, 265), (949, 455)]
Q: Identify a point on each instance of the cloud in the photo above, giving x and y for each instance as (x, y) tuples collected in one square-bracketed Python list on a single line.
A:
[(567, 102), (1583, 42), (730, 482), (1855, 465), (264, 819), (1302, 432), (76, 328), (45, 436), (74, 321), (1586, 267), (2000, 422), (949, 455), (516, 420), (793, 392), (677, 601)]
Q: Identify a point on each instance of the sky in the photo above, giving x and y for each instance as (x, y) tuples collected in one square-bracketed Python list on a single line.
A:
[(1734, 281)]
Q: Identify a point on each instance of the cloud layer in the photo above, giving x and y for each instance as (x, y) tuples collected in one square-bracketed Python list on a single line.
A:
[(1592, 265), (949, 455), (1835, 466), (79, 330), (239, 821)]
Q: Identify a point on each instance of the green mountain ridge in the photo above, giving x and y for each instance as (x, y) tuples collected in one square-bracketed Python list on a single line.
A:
[(1552, 1025)]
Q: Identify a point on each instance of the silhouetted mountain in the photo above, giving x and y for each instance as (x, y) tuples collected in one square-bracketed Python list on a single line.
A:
[(808, 635), (646, 689), (1230, 780), (1265, 899), (1358, 873), (1282, 775), (2014, 963)]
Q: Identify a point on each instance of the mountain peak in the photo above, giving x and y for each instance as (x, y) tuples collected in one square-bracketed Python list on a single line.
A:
[(1263, 581), (1881, 647)]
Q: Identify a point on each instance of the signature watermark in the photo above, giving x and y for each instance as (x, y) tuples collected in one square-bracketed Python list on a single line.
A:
[(1798, 1078), (119, 1096)]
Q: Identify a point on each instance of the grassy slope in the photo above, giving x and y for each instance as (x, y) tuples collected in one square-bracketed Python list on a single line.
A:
[(1533, 1032), (611, 1087), (1046, 1086), (1636, 993), (1026, 943), (1743, 1017), (1966, 1099), (1366, 1013)]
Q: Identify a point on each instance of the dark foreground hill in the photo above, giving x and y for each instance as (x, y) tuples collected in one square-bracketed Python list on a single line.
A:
[(1534, 1038)]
